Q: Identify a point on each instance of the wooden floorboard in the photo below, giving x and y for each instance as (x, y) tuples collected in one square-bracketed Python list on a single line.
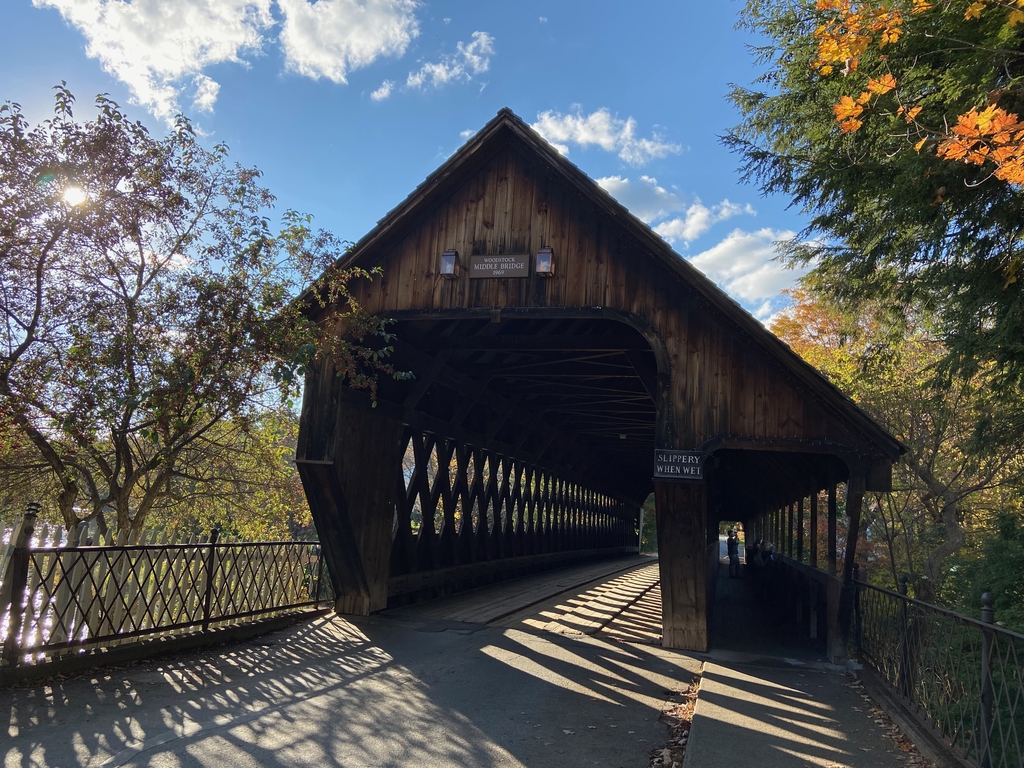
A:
[(491, 604), (617, 608)]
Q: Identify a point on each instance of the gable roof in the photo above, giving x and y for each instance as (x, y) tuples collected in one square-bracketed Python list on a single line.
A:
[(506, 127)]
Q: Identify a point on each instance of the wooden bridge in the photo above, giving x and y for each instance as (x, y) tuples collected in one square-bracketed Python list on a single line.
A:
[(567, 362)]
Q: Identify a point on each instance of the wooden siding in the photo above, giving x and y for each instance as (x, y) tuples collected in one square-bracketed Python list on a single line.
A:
[(722, 382)]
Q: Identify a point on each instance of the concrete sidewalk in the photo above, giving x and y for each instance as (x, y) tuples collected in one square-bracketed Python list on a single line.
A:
[(770, 699), (785, 717)]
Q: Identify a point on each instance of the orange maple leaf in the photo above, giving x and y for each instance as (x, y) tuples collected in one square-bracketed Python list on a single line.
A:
[(884, 84), (977, 155), (974, 10), (953, 149), (1012, 172), (847, 108)]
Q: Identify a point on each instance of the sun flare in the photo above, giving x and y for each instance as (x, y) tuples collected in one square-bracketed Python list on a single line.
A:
[(74, 196)]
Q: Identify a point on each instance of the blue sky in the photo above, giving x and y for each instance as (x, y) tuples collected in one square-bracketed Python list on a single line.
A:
[(346, 105)]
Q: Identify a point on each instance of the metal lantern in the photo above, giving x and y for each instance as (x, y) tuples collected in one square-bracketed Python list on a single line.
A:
[(450, 264), (545, 263)]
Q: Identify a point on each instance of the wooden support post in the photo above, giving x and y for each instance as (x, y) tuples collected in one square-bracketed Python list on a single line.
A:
[(812, 600), (814, 529), (789, 530), (800, 529), (854, 501), (351, 487), (681, 512), (832, 533)]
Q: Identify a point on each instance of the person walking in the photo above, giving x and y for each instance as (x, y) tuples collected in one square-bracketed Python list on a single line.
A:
[(733, 547)]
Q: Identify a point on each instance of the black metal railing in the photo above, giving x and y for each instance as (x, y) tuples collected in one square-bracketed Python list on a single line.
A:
[(960, 675), (63, 599)]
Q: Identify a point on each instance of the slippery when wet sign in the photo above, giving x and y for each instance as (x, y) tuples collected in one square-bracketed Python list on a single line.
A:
[(670, 464)]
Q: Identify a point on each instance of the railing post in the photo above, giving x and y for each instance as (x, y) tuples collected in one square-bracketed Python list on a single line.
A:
[(319, 573), (904, 675), (856, 607), (18, 581), (988, 616), (210, 564)]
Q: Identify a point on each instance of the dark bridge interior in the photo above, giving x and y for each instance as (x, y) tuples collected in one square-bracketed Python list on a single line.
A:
[(574, 394)]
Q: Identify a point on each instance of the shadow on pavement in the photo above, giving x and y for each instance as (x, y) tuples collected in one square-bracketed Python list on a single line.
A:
[(374, 692)]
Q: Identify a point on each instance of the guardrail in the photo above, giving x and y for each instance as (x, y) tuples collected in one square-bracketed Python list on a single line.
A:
[(57, 601), (961, 676)]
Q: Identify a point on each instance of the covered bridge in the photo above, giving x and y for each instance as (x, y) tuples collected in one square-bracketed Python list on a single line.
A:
[(567, 362)]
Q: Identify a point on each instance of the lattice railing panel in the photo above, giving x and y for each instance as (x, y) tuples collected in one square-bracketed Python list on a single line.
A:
[(461, 504), (963, 675), (101, 596)]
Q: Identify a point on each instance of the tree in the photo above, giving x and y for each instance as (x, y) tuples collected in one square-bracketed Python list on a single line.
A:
[(150, 314), (894, 126), (241, 479), (964, 452)]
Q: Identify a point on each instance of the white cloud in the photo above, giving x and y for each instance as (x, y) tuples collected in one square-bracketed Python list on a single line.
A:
[(744, 265), (155, 46), (543, 19), (602, 129), (698, 219), (158, 47), (470, 59), (764, 312), (384, 91), (329, 38), (206, 93), (467, 133), (645, 198)]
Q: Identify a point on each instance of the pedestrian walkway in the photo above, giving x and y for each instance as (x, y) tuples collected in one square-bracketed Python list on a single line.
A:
[(568, 675), (745, 626), (768, 696), (777, 717)]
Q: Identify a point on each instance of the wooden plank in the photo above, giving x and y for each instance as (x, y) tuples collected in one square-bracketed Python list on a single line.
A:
[(831, 536), (681, 510), (352, 502), (490, 603), (813, 533)]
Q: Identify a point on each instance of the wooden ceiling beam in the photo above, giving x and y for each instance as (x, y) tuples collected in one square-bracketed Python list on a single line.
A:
[(535, 343), (501, 405)]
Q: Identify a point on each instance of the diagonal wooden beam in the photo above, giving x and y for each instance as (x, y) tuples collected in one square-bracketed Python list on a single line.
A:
[(467, 387), (468, 402), (424, 379), (645, 371)]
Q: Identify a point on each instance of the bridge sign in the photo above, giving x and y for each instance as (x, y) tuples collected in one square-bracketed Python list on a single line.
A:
[(670, 464), (510, 265)]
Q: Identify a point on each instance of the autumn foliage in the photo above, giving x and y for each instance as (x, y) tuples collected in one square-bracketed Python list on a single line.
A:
[(987, 134)]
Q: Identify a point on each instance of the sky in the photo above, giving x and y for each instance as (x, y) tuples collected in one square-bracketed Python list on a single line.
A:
[(347, 105)]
